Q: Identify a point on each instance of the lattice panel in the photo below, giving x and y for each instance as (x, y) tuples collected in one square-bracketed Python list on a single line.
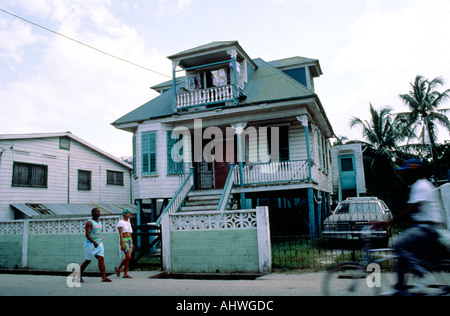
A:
[(11, 228), (56, 226), (213, 221)]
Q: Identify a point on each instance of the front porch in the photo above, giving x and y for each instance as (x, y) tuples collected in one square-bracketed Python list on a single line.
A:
[(248, 185)]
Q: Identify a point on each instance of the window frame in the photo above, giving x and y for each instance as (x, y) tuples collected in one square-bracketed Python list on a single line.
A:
[(79, 184), (118, 181), (149, 147), (30, 167)]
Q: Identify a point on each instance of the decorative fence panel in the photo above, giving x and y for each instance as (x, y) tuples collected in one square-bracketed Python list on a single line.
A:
[(52, 244), (217, 242)]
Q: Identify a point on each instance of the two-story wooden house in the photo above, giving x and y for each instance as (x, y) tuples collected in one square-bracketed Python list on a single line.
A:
[(231, 131)]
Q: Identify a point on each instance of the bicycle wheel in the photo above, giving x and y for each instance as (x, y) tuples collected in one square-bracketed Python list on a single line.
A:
[(385, 280), (440, 285), (346, 279)]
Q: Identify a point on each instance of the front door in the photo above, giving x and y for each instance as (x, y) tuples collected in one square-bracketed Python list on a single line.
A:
[(222, 166), (347, 172)]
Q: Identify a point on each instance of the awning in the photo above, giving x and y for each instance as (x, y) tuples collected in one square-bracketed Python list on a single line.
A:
[(44, 210)]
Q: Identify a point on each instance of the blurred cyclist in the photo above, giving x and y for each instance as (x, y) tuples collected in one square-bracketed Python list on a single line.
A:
[(417, 243)]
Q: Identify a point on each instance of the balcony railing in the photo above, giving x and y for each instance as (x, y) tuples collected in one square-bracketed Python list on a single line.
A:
[(201, 97), (274, 172)]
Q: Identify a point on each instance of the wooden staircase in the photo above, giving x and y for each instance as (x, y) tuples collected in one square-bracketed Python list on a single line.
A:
[(204, 201)]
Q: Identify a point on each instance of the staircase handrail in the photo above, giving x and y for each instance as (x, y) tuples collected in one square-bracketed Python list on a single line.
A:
[(179, 197), (226, 193)]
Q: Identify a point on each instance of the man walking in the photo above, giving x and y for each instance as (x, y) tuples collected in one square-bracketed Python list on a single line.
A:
[(93, 245)]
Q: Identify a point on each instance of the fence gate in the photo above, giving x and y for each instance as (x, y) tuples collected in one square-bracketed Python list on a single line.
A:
[(147, 244)]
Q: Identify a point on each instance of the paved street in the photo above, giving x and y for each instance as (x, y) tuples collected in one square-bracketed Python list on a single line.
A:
[(269, 285)]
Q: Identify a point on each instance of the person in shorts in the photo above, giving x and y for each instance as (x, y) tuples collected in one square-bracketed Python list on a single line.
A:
[(93, 245), (126, 242)]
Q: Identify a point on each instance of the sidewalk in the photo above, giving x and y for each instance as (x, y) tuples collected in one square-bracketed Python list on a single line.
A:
[(143, 285)]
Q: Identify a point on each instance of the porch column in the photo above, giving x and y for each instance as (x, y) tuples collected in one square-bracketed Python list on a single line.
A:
[(313, 234), (239, 129), (138, 220), (303, 119), (174, 85), (233, 55)]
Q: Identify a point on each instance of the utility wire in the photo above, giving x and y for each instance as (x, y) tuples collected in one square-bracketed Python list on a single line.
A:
[(81, 43)]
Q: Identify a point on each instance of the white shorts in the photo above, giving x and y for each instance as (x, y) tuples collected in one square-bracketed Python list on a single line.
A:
[(90, 252)]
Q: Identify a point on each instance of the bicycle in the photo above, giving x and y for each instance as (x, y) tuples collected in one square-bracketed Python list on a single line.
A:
[(372, 276)]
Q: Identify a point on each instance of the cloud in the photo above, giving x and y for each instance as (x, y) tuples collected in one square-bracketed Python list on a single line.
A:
[(72, 87)]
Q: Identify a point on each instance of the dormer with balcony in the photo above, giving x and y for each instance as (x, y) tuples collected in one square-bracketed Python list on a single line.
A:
[(215, 74)]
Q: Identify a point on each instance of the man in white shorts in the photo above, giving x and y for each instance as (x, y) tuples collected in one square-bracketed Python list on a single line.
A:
[(93, 245)]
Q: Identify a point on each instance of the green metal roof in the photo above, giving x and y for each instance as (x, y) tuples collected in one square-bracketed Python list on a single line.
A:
[(269, 84), (204, 48)]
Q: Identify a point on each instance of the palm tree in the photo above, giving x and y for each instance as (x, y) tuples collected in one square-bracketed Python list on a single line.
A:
[(424, 101), (383, 133)]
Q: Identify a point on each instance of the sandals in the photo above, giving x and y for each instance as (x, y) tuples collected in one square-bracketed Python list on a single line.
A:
[(107, 280)]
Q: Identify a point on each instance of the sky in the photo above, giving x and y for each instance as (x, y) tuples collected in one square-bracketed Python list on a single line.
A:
[(369, 51)]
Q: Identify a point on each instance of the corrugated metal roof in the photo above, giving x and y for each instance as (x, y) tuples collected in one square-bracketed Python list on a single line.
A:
[(206, 47), (72, 210), (271, 84)]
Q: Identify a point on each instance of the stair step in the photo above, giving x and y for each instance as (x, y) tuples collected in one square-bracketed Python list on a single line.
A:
[(204, 197), (201, 208), (206, 192), (201, 202)]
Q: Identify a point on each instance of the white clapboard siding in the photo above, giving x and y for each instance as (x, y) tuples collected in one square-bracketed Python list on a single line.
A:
[(60, 187)]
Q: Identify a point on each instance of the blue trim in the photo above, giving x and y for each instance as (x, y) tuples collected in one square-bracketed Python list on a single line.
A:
[(191, 174), (207, 65), (206, 103), (312, 215), (138, 221), (235, 87), (174, 91), (308, 153)]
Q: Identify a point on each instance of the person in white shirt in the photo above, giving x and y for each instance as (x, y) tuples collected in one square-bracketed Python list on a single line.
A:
[(126, 242), (417, 244)]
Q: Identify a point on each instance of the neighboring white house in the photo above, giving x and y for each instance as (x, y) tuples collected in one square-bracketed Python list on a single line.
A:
[(245, 105), (348, 171), (60, 169)]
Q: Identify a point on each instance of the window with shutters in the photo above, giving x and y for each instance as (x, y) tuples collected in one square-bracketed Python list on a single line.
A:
[(149, 157)]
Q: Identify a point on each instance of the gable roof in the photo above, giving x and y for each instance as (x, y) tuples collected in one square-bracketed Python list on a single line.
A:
[(64, 134)]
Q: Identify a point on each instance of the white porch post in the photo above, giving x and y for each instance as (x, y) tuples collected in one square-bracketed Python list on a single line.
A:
[(264, 245), (175, 64), (239, 129), (303, 119)]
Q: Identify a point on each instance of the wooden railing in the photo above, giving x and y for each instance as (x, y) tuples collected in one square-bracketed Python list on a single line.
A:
[(226, 193), (199, 97), (273, 172), (179, 197)]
